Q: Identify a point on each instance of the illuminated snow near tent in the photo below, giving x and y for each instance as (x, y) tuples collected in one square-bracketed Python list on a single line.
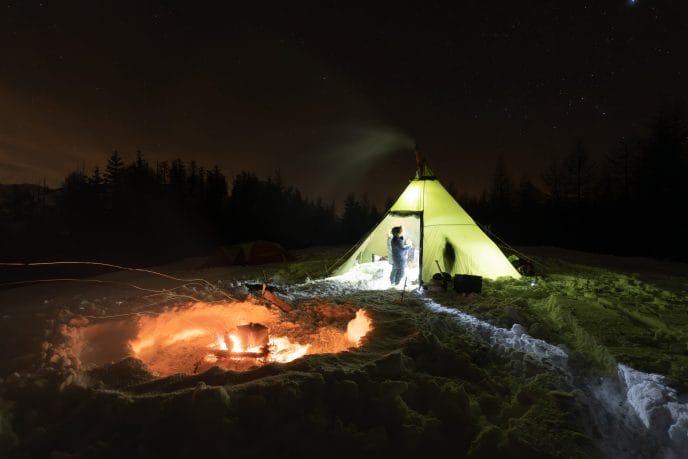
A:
[(375, 276)]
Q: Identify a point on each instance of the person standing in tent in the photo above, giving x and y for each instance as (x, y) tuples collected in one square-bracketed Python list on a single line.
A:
[(399, 254)]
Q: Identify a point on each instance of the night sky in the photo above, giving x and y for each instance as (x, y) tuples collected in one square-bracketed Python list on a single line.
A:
[(332, 96)]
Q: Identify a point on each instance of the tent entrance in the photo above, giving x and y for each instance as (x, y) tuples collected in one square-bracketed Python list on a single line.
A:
[(373, 258), (413, 234)]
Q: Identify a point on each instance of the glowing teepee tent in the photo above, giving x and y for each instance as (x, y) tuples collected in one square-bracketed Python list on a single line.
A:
[(444, 233)]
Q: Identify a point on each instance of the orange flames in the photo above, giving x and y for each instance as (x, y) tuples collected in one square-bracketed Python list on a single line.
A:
[(358, 327), (280, 349), (195, 338)]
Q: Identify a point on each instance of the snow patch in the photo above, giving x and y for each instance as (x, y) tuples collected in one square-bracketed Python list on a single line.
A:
[(516, 338), (658, 407)]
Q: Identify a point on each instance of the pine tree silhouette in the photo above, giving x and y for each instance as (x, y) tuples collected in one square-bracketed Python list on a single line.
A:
[(114, 169)]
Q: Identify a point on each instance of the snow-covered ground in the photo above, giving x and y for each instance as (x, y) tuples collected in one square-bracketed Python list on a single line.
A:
[(656, 404), (661, 411), (628, 412)]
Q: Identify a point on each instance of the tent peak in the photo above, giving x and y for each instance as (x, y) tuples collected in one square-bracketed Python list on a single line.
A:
[(423, 171)]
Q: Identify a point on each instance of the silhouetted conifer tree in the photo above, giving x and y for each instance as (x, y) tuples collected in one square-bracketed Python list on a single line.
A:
[(178, 178), (528, 219), (661, 185), (162, 169), (618, 169), (358, 218), (353, 219), (502, 189), (500, 199), (75, 203), (553, 179), (114, 169), (578, 174), (97, 196), (96, 178), (661, 176), (216, 186)]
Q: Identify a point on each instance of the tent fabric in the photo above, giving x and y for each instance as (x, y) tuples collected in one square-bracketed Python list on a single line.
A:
[(250, 253), (449, 234)]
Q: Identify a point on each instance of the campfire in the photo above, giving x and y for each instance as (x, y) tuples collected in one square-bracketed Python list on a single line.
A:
[(239, 336)]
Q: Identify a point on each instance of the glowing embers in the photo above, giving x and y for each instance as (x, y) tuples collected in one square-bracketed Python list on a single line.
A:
[(239, 336)]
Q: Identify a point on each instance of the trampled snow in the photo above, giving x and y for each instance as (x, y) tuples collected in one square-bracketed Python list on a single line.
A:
[(365, 276), (516, 338)]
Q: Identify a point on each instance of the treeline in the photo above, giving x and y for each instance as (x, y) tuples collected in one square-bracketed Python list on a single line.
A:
[(633, 201), (138, 212)]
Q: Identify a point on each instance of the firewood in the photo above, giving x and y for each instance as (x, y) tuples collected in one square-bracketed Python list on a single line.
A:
[(220, 354), (274, 299)]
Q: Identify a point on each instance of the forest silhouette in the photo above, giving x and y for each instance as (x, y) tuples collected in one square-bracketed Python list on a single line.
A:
[(630, 202)]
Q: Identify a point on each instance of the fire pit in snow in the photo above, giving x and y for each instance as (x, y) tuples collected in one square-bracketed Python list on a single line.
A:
[(234, 336)]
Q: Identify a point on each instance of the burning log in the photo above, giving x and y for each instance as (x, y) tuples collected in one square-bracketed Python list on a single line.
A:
[(268, 293), (238, 355)]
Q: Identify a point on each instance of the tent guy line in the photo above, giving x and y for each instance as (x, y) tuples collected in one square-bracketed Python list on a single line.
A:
[(110, 265)]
